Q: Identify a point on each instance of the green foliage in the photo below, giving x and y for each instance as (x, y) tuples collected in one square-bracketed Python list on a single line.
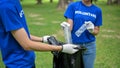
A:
[(45, 19)]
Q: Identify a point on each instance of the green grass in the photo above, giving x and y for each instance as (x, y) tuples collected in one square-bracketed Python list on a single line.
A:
[(109, 38), (45, 19)]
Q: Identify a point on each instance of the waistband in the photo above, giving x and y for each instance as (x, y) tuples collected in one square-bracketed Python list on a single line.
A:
[(85, 43)]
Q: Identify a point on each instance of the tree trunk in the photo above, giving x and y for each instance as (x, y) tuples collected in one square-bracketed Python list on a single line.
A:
[(51, 1), (109, 2), (39, 1), (62, 4), (119, 2), (95, 1)]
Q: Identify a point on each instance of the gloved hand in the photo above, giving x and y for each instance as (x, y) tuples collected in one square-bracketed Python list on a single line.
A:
[(69, 48), (89, 26), (45, 38)]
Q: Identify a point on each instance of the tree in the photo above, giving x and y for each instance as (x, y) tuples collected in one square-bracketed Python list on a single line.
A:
[(62, 4), (109, 2), (51, 1), (95, 1), (117, 1), (39, 1)]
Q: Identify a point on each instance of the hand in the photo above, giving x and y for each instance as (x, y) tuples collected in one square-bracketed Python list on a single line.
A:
[(69, 48), (90, 26), (45, 38)]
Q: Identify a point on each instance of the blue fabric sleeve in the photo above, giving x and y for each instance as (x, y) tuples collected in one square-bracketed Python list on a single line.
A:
[(69, 13), (10, 18), (99, 18)]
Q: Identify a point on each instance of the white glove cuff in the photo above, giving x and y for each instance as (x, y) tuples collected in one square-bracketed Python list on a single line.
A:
[(45, 39)]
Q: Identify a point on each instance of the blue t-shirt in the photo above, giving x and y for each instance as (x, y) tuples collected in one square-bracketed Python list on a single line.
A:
[(12, 18), (80, 13)]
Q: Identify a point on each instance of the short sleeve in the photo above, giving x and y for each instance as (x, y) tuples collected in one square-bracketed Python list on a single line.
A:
[(10, 18), (99, 18), (69, 13)]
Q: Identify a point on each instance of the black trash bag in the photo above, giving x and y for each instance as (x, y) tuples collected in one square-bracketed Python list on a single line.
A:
[(63, 60)]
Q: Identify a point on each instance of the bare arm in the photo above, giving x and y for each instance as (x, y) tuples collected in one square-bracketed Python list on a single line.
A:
[(70, 21), (35, 38), (96, 30), (21, 36)]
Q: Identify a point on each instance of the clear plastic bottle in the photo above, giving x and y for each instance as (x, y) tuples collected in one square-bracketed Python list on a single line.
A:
[(81, 30)]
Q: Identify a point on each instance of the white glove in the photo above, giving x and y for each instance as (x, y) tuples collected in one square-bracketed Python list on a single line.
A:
[(45, 38), (89, 26), (69, 48)]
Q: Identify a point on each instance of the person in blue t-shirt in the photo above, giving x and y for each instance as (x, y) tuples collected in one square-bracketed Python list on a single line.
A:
[(85, 20), (16, 43)]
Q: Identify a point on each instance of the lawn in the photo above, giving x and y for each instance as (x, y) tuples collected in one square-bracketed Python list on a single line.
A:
[(45, 19)]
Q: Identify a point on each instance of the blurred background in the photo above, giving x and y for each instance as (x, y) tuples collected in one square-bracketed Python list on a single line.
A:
[(44, 18)]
